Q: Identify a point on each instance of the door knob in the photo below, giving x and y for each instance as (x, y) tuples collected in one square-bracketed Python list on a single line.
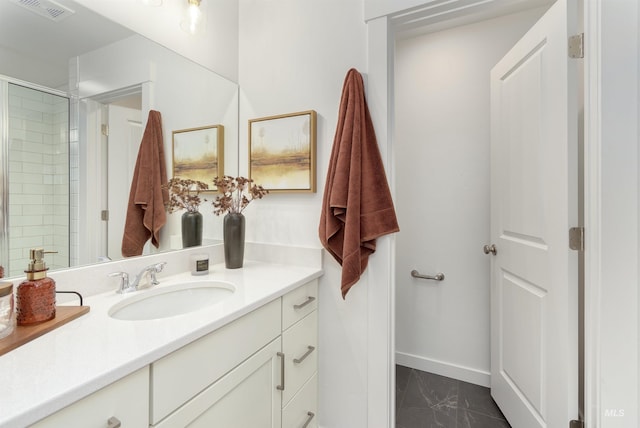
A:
[(490, 249), (114, 422)]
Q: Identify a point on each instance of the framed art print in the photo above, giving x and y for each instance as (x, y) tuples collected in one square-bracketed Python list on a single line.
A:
[(282, 152), (198, 153)]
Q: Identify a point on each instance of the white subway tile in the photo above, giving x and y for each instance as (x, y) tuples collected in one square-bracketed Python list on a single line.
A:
[(26, 199), (36, 230), (27, 220)]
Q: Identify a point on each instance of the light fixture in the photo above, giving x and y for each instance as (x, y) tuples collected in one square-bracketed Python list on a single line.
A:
[(193, 21)]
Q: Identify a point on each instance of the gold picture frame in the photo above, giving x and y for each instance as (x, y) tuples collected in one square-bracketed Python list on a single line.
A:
[(282, 152), (198, 153)]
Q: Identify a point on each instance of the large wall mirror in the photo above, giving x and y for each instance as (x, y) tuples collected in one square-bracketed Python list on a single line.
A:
[(75, 92)]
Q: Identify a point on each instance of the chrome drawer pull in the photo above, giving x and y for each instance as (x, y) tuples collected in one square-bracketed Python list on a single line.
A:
[(309, 419), (113, 422), (281, 386), (310, 349), (305, 303)]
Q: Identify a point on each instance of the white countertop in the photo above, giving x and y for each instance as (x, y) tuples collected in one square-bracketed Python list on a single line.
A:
[(87, 354)]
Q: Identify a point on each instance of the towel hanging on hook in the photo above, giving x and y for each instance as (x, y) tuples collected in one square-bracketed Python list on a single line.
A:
[(357, 207), (147, 197)]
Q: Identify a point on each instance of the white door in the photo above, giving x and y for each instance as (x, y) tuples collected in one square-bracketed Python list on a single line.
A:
[(125, 134), (534, 303)]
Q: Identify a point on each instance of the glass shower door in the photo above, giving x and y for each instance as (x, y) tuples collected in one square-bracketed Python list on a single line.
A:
[(35, 177)]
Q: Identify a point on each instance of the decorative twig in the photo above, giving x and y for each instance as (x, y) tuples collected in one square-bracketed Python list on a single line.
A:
[(184, 193), (236, 194)]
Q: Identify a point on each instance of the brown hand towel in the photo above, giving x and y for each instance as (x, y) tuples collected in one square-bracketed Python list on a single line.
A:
[(147, 197), (357, 207)]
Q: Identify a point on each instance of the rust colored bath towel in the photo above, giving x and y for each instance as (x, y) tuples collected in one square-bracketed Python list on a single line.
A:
[(147, 198), (357, 207)]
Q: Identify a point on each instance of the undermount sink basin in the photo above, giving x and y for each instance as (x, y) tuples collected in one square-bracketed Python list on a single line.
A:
[(172, 300)]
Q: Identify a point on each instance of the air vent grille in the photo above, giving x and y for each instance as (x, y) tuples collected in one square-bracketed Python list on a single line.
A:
[(47, 8)]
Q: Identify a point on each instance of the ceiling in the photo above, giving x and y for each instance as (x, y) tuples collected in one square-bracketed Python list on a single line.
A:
[(37, 49)]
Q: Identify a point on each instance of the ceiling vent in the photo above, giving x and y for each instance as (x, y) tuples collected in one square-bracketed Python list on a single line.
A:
[(47, 8)]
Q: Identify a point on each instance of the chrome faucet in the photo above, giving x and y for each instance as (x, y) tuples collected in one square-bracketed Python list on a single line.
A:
[(151, 270)]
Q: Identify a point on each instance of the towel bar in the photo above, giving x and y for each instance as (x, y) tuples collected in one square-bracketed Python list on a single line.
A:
[(437, 277)]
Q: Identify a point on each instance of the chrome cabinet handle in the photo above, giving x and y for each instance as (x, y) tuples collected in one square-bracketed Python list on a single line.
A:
[(436, 277), (490, 249), (309, 419), (305, 303), (281, 386), (114, 422), (310, 349)]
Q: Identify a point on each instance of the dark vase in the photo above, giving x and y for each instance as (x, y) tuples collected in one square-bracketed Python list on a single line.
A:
[(233, 240), (191, 229)]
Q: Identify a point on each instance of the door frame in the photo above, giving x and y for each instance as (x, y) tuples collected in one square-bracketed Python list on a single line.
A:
[(599, 176), (611, 188)]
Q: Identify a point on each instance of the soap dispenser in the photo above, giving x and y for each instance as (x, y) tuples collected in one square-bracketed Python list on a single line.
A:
[(36, 295)]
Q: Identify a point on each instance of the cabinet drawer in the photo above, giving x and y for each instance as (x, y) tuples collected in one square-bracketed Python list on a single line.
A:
[(184, 373), (245, 397), (113, 401), (298, 303), (300, 347), (303, 408)]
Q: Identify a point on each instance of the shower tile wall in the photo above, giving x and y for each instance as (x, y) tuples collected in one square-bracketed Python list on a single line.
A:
[(38, 177)]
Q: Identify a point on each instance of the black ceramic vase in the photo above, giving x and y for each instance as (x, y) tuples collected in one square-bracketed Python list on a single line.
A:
[(191, 229), (233, 240)]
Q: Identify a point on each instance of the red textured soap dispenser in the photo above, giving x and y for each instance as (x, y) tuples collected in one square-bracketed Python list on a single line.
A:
[(36, 295)]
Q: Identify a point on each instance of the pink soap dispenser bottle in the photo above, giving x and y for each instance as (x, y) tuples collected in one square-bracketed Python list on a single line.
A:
[(36, 295)]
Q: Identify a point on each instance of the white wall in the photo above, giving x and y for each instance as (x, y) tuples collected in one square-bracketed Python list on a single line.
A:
[(216, 49), (294, 55), (442, 150)]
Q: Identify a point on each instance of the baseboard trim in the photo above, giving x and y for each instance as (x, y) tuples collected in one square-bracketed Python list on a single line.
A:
[(442, 368)]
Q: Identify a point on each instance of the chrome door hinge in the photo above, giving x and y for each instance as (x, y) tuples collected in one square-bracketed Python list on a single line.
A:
[(105, 130), (576, 238), (576, 46), (104, 215), (576, 424)]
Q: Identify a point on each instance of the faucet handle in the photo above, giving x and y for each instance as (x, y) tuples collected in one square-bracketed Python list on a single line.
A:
[(124, 280), (159, 266), (153, 270)]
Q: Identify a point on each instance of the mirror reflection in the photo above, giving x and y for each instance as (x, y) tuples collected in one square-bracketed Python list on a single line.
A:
[(74, 99)]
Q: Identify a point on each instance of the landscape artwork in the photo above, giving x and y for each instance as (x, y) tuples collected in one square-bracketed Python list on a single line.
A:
[(198, 153), (282, 152)]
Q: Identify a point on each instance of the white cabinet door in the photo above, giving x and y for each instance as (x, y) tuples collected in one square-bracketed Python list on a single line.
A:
[(181, 375), (125, 401), (248, 396)]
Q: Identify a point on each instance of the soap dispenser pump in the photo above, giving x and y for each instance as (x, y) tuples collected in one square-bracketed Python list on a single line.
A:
[(36, 295)]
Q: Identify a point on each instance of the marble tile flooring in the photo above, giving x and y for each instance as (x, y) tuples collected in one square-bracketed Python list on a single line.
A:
[(426, 400)]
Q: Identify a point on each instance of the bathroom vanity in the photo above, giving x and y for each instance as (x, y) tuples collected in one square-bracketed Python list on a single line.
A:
[(248, 360)]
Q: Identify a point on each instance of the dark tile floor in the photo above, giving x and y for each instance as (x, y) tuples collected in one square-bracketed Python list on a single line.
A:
[(426, 400)]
